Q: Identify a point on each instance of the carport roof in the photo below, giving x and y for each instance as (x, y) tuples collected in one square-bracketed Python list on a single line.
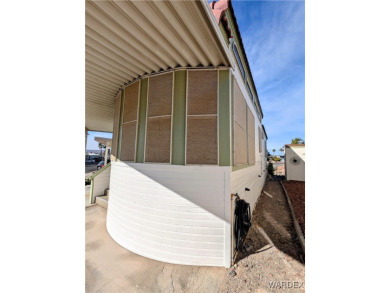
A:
[(125, 40), (294, 145), (103, 140)]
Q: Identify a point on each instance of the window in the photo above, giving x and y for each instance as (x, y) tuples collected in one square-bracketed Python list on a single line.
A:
[(250, 94), (239, 61)]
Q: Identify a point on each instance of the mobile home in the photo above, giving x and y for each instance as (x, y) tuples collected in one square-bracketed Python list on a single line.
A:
[(172, 82)]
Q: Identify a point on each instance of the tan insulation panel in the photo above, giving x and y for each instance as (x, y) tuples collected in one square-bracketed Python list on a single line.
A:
[(239, 106), (240, 145), (130, 108), (260, 139), (202, 92), (116, 124), (158, 140), (160, 95), (128, 141), (251, 123), (202, 146), (251, 149), (251, 137)]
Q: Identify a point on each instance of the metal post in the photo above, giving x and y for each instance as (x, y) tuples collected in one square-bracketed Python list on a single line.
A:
[(86, 138), (105, 155)]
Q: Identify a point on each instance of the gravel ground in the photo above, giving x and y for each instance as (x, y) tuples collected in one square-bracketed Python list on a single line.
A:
[(273, 260)]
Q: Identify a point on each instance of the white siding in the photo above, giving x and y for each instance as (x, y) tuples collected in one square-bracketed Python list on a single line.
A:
[(100, 183), (293, 171), (248, 178), (176, 214)]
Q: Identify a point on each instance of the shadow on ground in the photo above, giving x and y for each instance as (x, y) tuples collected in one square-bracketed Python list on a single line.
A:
[(272, 225), (112, 268)]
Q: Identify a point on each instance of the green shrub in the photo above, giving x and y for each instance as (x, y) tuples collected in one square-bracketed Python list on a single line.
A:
[(271, 169), (276, 159)]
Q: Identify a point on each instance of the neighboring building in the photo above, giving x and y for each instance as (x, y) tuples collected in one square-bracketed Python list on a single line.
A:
[(172, 81), (91, 156), (279, 170), (295, 162)]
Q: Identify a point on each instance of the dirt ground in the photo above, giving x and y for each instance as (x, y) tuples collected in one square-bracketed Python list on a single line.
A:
[(296, 193), (273, 254), (274, 258)]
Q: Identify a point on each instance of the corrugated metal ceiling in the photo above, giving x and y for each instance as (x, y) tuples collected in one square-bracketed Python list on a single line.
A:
[(128, 39)]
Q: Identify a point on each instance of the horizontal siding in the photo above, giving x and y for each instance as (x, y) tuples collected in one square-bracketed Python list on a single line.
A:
[(248, 178), (171, 213)]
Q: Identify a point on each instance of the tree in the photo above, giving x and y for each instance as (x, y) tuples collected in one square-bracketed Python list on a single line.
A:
[(101, 147), (281, 149), (297, 140), (271, 169), (273, 150)]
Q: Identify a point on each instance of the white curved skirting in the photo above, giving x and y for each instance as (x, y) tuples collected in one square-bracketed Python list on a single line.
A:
[(175, 214)]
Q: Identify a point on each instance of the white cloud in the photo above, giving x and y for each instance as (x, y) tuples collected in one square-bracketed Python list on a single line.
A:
[(273, 36)]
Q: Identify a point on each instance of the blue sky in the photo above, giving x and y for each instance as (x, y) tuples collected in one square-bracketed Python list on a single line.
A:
[(273, 34), (91, 143)]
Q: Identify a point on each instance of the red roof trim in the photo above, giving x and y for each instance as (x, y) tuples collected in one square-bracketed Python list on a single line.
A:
[(219, 8)]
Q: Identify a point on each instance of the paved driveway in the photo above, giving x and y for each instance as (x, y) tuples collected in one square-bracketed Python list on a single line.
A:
[(89, 168)]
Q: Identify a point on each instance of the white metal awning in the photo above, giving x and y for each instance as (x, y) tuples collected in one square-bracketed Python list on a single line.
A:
[(104, 140), (128, 39)]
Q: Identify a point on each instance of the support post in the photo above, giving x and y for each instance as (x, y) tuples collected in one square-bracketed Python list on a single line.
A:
[(86, 138), (105, 155)]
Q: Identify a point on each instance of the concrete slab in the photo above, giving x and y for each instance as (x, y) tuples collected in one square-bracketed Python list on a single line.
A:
[(102, 201), (112, 268)]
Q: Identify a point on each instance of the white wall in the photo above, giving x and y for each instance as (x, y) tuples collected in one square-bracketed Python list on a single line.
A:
[(100, 183), (170, 213), (295, 172), (248, 178)]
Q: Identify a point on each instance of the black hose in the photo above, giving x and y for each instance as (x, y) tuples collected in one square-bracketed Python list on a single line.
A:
[(242, 221)]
